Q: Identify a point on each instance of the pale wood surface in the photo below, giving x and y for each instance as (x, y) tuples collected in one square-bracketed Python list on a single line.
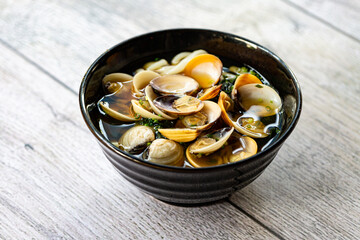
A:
[(342, 15), (55, 182)]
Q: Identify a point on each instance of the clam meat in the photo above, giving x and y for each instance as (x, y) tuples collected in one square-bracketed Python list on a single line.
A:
[(135, 139), (165, 152)]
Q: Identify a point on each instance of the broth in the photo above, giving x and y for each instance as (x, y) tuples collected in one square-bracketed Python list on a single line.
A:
[(232, 149)]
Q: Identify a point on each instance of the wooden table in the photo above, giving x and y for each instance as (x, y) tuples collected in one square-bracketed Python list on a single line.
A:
[(56, 183)]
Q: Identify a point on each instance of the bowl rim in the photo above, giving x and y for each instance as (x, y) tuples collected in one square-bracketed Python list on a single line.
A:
[(277, 143)]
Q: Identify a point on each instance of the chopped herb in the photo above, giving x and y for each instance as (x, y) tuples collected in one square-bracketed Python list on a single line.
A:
[(260, 100), (156, 59), (271, 101), (217, 139), (199, 155), (258, 86), (248, 126), (148, 144), (156, 124), (244, 70), (210, 136), (227, 86), (277, 130), (268, 108), (181, 117), (141, 101)]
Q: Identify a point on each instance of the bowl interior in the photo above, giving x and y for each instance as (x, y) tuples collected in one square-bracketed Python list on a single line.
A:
[(129, 55)]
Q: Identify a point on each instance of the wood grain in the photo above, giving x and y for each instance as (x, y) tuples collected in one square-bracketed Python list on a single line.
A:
[(57, 184), (341, 15)]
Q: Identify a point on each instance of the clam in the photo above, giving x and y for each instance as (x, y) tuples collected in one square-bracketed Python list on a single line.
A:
[(174, 85), (240, 149), (206, 69), (180, 134), (177, 105), (235, 149), (256, 129), (135, 139), (242, 80), (118, 105), (112, 82), (165, 152), (211, 142), (150, 96), (190, 127), (143, 108), (142, 79), (209, 93), (259, 99), (205, 118)]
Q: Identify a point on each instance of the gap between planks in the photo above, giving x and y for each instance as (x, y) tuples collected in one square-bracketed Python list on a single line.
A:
[(323, 21), (7, 45), (270, 230), (41, 69)]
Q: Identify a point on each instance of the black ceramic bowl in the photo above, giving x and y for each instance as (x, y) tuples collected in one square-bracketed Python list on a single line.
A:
[(190, 185)]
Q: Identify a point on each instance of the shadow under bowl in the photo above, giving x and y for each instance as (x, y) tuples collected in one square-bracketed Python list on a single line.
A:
[(190, 185)]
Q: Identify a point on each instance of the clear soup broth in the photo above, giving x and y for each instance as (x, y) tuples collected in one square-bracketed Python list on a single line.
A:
[(191, 109)]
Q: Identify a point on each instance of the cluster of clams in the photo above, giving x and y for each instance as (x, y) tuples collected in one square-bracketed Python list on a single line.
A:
[(185, 91)]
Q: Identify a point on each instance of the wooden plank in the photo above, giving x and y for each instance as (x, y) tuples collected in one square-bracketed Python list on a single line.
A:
[(56, 183), (310, 190), (341, 15)]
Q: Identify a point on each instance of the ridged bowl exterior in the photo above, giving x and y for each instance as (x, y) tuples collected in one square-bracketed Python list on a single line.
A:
[(190, 185)]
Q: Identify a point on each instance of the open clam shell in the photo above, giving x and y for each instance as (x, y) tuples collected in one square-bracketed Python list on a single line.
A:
[(209, 93), (174, 85), (118, 105), (112, 82), (225, 104), (150, 97), (211, 111), (142, 79), (206, 69), (180, 134), (188, 133), (242, 80), (125, 114), (237, 148), (178, 105), (259, 99), (144, 112), (244, 148), (211, 142)]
